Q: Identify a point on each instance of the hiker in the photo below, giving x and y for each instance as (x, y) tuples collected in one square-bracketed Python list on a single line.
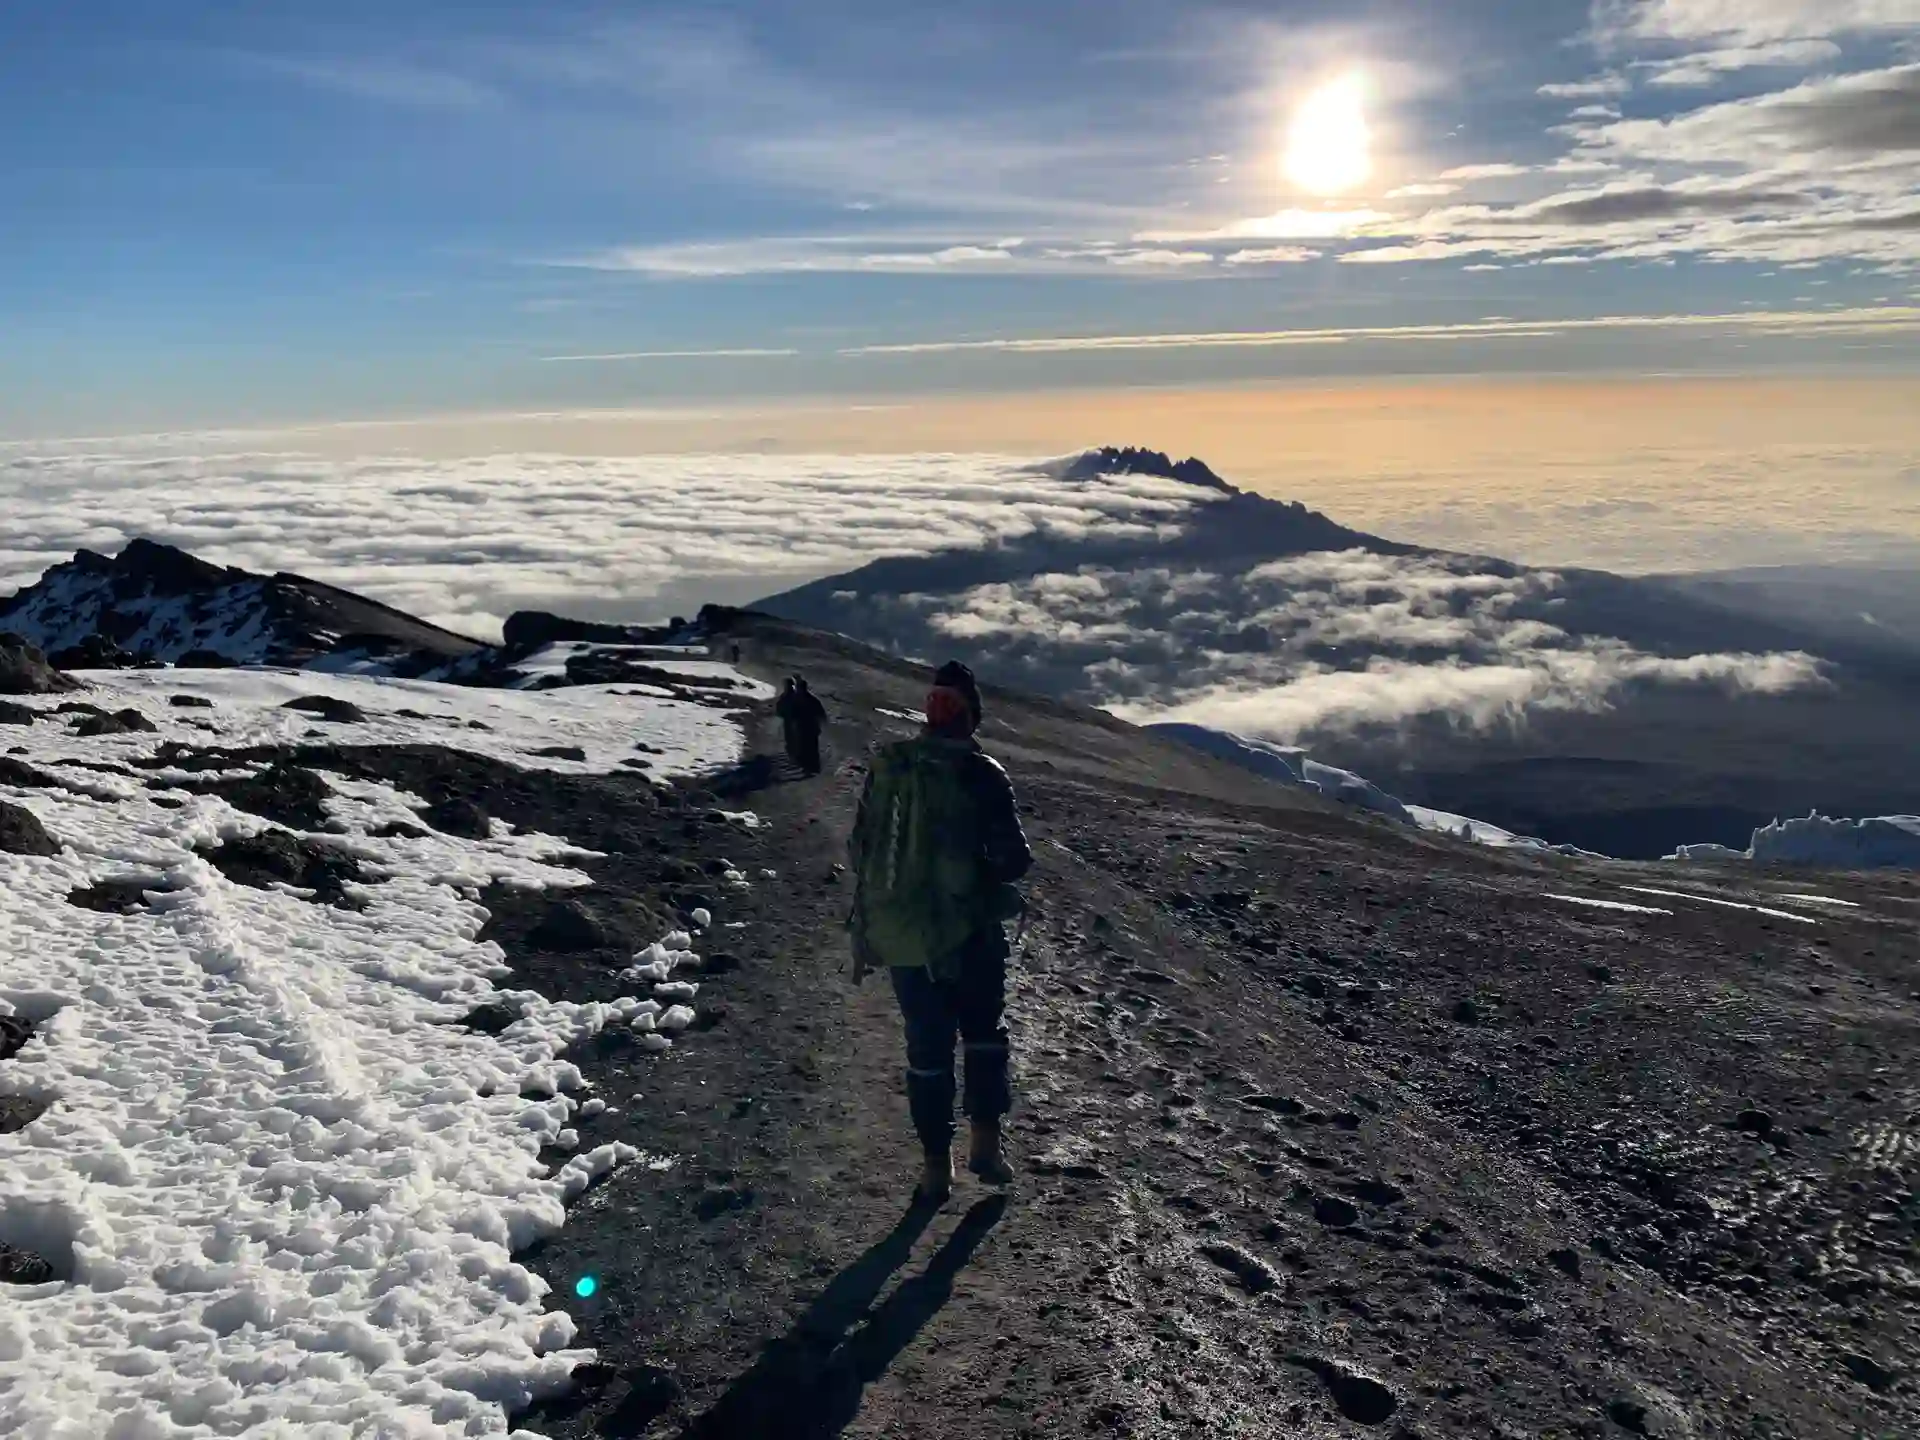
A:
[(936, 850), (802, 717)]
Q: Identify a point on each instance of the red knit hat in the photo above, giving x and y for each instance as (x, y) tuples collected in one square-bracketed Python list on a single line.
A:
[(948, 709)]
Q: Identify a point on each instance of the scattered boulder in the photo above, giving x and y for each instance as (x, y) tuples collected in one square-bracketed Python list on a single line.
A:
[(119, 722), (281, 857), (23, 776), (19, 1111), (1566, 1260), (1256, 1277), (96, 652), (1753, 1122), (15, 1031), (23, 1267), (567, 927), (398, 830), (1467, 1012), (25, 671), (21, 833), (12, 714), (329, 708), (560, 752), (461, 818), (493, 1018), (1355, 1394), (190, 702), (721, 1199), (118, 896), (288, 795)]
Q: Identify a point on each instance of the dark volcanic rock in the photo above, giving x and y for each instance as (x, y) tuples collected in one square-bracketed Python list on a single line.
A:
[(567, 926), (23, 1267), (21, 833), (120, 722), (287, 794), (460, 818), (96, 652), (23, 776), (14, 1032), (11, 714), (119, 896), (490, 1019), (1753, 1122), (329, 708), (190, 702), (278, 856), (19, 1111), (527, 630), (560, 752), (25, 671)]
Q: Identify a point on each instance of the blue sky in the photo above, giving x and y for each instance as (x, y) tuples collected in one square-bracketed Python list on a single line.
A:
[(225, 212)]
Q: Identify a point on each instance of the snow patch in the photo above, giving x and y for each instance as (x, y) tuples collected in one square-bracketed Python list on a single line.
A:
[(1599, 904), (280, 1186)]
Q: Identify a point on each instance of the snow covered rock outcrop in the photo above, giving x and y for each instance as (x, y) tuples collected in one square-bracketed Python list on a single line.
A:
[(1886, 842), (156, 602)]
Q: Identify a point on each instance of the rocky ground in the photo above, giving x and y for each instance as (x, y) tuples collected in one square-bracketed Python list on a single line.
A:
[(1325, 1127)]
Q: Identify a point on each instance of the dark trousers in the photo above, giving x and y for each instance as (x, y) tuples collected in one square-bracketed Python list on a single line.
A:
[(973, 1010), (803, 748)]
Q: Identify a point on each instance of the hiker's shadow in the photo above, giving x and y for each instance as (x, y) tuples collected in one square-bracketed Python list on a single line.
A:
[(807, 1384), (754, 774)]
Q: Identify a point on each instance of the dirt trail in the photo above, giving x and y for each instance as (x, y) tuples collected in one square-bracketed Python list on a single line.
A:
[(1324, 1129)]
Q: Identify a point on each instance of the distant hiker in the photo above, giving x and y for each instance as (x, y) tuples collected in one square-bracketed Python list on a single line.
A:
[(802, 717), (736, 655), (936, 850)]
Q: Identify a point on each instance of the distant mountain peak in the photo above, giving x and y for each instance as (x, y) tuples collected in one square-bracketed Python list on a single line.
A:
[(1136, 460)]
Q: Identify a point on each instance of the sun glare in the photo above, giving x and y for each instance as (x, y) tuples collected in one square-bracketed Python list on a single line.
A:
[(1329, 146)]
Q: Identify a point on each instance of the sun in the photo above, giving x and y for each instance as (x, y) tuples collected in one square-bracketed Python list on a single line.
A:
[(1329, 145)]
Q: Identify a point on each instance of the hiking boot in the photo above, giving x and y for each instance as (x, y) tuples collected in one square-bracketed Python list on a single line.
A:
[(986, 1158), (936, 1179)]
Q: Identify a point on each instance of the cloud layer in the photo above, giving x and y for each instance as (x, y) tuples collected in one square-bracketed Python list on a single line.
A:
[(464, 542)]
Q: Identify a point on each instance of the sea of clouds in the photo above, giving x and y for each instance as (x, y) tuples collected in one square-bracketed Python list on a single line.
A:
[(465, 542), (1316, 644)]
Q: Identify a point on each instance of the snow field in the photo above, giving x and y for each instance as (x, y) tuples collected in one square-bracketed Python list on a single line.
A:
[(280, 1186)]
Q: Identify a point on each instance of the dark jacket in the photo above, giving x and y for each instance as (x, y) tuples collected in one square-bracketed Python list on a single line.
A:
[(801, 710)]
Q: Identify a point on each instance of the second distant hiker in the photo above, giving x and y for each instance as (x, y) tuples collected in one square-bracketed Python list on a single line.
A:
[(802, 717), (936, 850)]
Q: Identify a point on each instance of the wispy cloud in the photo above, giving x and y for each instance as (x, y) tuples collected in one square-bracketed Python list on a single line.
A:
[(1891, 320), (1600, 87), (740, 354), (1708, 67), (387, 81), (1749, 22)]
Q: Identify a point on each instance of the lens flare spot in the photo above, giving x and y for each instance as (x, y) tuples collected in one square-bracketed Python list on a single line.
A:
[(585, 1287)]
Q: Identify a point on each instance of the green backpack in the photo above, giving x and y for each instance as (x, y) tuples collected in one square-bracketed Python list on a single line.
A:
[(923, 891)]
